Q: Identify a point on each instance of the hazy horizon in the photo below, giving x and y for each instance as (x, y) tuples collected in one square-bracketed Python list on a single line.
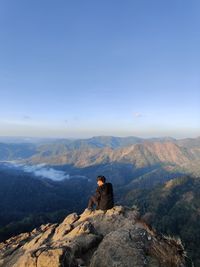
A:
[(92, 136)]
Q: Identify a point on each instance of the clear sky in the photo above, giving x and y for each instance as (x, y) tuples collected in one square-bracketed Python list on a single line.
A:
[(109, 67)]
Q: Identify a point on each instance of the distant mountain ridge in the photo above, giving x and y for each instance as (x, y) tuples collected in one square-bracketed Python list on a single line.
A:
[(106, 150), (96, 141), (11, 148), (139, 155)]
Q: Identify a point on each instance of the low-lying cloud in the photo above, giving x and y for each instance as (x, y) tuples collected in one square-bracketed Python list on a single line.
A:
[(40, 170), (47, 172)]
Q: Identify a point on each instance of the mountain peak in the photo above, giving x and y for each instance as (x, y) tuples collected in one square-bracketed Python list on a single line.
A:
[(94, 239)]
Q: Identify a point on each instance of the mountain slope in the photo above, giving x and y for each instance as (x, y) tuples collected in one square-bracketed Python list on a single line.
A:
[(105, 150), (172, 208), (138, 156), (16, 151), (24, 197)]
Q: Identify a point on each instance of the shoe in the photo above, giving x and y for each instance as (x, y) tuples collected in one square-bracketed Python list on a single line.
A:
[(88, 210)]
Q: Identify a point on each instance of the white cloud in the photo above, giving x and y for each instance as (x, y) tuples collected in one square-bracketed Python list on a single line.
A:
[(41, 170), (47, 172), (51, 174), (137, 115)]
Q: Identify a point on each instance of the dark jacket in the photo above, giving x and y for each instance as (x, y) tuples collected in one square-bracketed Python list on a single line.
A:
[(104, 196)]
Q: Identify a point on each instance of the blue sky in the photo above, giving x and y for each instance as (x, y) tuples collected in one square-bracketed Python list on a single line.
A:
[(84, 68)]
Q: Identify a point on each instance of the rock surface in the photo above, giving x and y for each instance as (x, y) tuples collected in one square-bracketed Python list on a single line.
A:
[(116, 238)]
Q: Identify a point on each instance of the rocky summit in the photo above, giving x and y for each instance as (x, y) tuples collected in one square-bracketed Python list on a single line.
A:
[(116, 238)]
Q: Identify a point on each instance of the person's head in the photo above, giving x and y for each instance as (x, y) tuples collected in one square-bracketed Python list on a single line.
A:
[(101, 180)]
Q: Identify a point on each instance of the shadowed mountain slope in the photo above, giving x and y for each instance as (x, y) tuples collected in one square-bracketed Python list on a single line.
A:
[(172, 208)]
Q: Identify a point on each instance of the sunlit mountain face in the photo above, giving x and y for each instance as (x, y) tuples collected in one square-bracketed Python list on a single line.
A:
[(121, 159)]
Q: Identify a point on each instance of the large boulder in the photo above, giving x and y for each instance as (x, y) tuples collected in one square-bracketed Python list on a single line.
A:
[(116, 238)]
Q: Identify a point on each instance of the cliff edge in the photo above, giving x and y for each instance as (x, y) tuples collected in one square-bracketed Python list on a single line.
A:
[(116, 238)]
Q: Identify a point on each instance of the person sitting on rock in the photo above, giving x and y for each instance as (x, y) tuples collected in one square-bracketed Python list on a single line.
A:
[(103, 197)]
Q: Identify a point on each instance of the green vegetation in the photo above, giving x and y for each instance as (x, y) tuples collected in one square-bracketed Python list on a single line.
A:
[(30, 222), (173, 209), (27, 202)]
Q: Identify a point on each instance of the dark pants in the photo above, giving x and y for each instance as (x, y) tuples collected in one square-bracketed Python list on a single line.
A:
[(92, 201)]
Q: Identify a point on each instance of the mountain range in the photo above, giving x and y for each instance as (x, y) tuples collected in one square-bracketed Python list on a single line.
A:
[(83, 153), (118, 158), (135, 166), (127, 162)]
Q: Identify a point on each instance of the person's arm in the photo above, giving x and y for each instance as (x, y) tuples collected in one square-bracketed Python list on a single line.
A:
[(97, 194)]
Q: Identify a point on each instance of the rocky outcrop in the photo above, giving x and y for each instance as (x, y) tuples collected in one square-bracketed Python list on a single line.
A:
[(116, 238)]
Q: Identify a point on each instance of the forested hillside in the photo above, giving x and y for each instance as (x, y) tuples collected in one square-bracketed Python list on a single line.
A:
[(174, 209)]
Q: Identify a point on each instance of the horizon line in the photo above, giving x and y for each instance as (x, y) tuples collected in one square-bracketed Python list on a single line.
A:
[(93, 136)]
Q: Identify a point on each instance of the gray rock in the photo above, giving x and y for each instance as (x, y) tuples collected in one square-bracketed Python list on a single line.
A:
[(116, 238)]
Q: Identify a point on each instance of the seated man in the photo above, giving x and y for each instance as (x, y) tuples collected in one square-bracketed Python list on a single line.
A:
[(103, 198)]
